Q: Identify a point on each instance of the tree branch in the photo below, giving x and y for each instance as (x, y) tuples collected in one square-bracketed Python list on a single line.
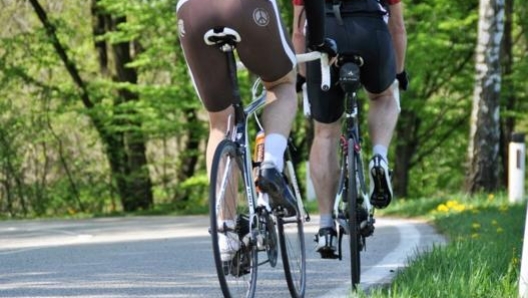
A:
[(61, 51)]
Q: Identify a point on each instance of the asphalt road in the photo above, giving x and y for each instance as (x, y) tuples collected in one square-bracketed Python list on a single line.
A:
[(171, 257)]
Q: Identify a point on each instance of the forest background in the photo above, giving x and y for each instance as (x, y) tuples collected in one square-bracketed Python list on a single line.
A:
[(98, 113)]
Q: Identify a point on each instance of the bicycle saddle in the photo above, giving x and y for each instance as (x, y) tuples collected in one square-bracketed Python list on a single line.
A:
[(221, 36)]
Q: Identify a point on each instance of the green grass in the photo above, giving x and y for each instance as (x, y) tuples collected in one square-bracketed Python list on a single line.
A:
[(481, 258)]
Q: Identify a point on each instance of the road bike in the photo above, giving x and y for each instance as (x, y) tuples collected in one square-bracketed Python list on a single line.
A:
[(260, 231), (352, 208)]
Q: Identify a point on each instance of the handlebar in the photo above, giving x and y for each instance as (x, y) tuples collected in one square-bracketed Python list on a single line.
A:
[(325, 76), (325, 66), (311, 56)]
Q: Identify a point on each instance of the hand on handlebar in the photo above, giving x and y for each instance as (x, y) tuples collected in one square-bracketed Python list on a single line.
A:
[(329, 47), (403, 80), (300, 81)]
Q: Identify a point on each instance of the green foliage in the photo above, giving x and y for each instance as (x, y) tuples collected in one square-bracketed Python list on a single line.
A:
[(437, 106), (481, 259), (53, 157)]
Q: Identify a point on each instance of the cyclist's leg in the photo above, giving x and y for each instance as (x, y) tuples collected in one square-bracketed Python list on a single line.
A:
[(267, 51), (277, 119), (324, 172), (218, 125), (278, 116), (326, 110), (324, 166), (377, 75), (382, 118), (213, 88)]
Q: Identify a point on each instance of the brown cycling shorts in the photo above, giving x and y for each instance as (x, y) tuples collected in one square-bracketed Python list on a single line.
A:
[(265, 47)]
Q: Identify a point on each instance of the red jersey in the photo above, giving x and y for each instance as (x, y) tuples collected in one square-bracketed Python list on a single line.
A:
[(301, 2)]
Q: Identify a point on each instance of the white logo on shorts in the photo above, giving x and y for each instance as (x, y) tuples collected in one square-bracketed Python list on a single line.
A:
[(181, 28), (261, 17)]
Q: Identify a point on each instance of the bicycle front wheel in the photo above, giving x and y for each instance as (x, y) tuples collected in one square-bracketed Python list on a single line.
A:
[(292, 245), (234, 252), (291, 240), (352, 198)]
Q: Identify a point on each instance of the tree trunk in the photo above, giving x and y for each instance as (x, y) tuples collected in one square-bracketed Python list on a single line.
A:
[(484, 143), (406, 146), (188, 158), (126, 151), (510, 104), (134, 183)]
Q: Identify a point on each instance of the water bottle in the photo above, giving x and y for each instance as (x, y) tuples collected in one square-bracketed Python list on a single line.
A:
[(258, 155)]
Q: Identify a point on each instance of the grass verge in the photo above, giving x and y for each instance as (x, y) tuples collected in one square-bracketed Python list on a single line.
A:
[(482, 257)]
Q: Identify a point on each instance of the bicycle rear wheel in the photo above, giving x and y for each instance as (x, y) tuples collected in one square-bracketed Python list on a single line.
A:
[(292, 245), (352, 198), (229, 219)]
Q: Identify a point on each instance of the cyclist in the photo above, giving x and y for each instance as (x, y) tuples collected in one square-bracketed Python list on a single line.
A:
[(359, 27), (266, 51)]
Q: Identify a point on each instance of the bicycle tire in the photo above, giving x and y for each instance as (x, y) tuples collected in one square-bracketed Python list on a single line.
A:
[(292, 246), (291, 241), (352, 198), (238, 277)]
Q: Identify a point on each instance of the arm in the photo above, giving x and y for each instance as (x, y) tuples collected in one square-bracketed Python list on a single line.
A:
[(399, 34), (299, 41), (315, 17)]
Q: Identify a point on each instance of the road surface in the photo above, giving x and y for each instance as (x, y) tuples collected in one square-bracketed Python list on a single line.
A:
[(167, 256)]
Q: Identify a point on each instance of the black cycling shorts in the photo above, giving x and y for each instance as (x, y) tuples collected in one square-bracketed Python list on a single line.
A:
[(367, 36)]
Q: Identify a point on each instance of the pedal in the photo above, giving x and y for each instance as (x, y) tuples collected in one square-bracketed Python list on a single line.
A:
[(328, 254), (367, 227)]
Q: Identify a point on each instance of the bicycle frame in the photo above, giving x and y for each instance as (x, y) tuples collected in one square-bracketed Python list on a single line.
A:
[(351, 127), (352, 207), (352, 131)]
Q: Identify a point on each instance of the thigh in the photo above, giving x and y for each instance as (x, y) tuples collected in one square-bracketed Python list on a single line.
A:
[(326, 106), (266, 48), (207, 64), (370, 38)]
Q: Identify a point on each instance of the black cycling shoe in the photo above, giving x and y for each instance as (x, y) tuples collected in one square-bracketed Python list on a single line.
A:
[(380, 184), (272, 182), (326, 243)]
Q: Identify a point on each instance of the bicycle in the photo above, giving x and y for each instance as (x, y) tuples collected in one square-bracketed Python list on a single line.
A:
[(352, 208), (258, 229)]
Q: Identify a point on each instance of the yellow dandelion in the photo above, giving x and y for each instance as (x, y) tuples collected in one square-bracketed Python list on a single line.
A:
[(475, 236), (494, 222), (451, 203), (459, 208), (475, 225), (491, 197), (500, 230), (442, 208)]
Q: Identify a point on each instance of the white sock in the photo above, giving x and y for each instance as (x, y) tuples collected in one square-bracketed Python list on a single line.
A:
[(326, 221), (229, 224), (274, 147), (381, 150)]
